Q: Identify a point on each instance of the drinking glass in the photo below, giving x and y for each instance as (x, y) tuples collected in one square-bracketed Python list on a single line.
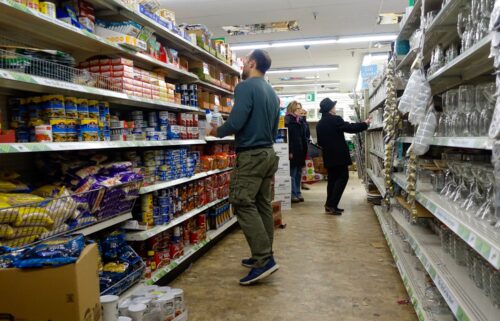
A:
[(463, 169), (487, 110), (452, 110), (487, 210), (476, 196), (466, 105)]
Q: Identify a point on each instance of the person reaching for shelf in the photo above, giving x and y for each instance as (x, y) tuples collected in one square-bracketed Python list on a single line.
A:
[(254, 122), (336, 157)]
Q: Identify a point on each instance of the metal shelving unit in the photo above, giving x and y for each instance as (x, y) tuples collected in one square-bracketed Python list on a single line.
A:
[(470, 64), (461, 142), (413, 279), (478, 234), (10, 148), (58, 34), (168, 184), (466, 301), (144, 235), (377, 153), (223, 139), (378, 181), (177, 42), (408, 59), (214, 88), (411, 22), (15, 82), (94, 228), (189, 252)]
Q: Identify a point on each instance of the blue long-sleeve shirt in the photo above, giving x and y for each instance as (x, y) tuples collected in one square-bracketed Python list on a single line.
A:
[(255, 115)]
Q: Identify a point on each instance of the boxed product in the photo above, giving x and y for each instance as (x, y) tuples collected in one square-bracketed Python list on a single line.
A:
[(282, 184), (282, 151), (283, 167), (68, 292), (285, 199)]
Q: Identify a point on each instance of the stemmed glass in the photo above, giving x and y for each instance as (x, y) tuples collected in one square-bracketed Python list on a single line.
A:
[(487, 210), (487, 110), (476, 197), (464, 173), (452, 107), (441, 129), (473, 120), (461, 26), (450, 189), (466, 103)]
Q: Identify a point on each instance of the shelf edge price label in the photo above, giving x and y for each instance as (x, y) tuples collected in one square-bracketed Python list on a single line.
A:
[(6, 74), (20, 147), (445, 292)]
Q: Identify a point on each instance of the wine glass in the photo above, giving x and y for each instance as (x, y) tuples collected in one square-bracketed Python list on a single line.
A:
[(487, 210), (466, 103), (455, 168), (487, 110), (473, 121), (452, 108), (476, 196), (460, 193)]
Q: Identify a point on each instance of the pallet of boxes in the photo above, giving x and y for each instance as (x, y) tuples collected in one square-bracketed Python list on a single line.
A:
[(282, 184)]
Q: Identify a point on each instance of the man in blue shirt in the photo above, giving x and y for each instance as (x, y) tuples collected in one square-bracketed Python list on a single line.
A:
[(254, 122)]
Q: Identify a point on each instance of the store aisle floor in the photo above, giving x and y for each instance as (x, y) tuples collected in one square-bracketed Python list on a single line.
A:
[(332, 268)]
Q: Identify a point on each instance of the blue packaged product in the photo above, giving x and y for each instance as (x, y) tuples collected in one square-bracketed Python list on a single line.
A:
[(70, 107), (22, 135), (93, 106), (83, 108), (54, 252)]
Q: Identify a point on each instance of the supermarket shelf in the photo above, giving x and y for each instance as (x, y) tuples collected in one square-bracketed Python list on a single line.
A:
[(478, 234), (443, 29), (214, 88), (377, 87), (408, 59), (24, 82), (163, 185), (413, 280), (378, 181), (466, 301), (8, 148), (54, 33), (470, 64), (412, 21), (462, 142), (378, 104), (104, 224), (216, 139), (377, 153), (175, 41), (401, 180), (211, 235), (144, 235), (377, 127)]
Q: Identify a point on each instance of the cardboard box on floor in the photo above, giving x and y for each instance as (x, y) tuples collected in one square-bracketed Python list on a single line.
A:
[(65, 293)]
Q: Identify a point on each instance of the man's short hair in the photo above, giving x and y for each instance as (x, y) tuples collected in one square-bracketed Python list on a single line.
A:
[(262, 60)]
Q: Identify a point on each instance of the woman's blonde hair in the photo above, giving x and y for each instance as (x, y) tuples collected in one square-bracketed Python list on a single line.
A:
[(293, 106)]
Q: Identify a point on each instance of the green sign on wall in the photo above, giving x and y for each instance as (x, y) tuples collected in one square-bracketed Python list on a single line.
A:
[(310, 97)]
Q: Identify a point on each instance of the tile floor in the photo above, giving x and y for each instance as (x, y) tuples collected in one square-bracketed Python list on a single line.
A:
[(335, 268)]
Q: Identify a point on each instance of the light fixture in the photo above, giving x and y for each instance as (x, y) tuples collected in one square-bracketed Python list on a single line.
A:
[(314, 41), (307, 85), (302, 69)]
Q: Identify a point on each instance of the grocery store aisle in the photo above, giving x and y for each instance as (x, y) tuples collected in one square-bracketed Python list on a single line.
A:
[(332, 268)]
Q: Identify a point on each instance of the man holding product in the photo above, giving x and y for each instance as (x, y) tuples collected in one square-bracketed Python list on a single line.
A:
[(254, 121)]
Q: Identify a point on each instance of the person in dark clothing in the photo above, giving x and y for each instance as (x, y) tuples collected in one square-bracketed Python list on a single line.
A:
[(336, 157), (308, 139), (297, 143)]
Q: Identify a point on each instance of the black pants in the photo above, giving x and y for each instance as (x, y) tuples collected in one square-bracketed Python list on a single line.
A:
[(337, 181)]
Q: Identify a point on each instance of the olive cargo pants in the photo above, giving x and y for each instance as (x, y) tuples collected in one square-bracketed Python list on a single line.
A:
[(251, 197)]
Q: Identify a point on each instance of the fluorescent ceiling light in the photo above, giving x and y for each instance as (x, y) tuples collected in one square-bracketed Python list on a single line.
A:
[(307, 85), (314, 41), (302, 69)]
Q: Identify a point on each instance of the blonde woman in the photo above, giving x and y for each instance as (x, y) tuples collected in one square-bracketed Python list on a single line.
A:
[(297, 143)]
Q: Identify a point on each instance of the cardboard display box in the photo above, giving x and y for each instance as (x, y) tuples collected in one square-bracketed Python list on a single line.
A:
[(69, 292)]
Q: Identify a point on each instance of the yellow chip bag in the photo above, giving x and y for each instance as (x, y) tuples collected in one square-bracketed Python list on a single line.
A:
[(8, 214), (19, 242), (6, 231), (28, 231), (33, 216)]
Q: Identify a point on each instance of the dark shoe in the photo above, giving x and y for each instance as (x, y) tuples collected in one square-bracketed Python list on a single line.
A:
[(339, 209), (248, 263), (305, 187), (301, 199), (257, 274), (295, 200), (332, 211)]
